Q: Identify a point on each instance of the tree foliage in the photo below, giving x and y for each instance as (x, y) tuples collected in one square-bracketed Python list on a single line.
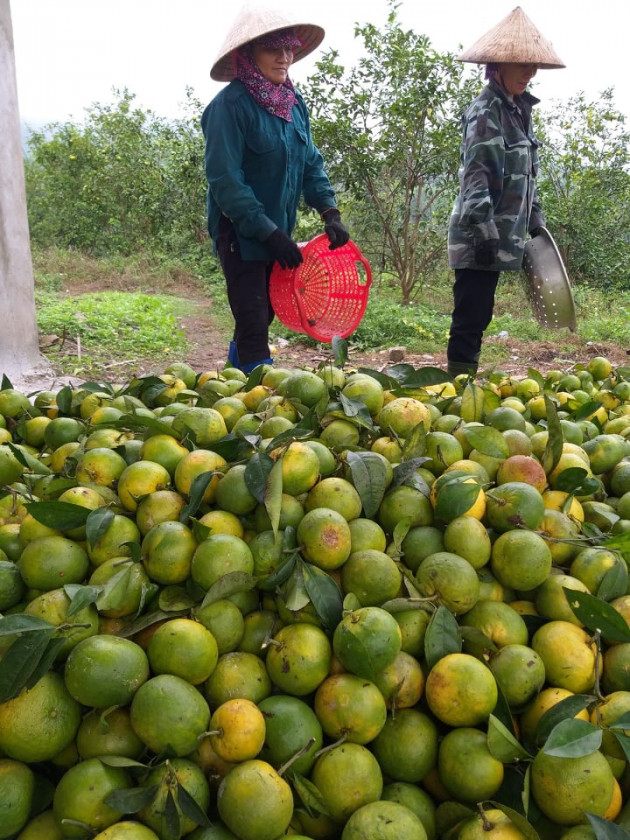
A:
[(389, 130), (585, 187), (125, 180)]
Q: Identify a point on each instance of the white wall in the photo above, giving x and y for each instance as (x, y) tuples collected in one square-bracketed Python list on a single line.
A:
[(19, 352)]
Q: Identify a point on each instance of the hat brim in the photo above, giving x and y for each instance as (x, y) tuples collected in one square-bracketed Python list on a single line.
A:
[(223, 69), (514, 40)]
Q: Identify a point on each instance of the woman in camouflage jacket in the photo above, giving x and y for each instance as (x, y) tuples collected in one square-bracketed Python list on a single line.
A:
[(497, 206)]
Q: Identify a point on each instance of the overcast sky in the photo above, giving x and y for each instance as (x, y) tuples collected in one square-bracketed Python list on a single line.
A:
[(72, 53)]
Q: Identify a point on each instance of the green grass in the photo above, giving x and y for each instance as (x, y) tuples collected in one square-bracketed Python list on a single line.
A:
[(129, 311)]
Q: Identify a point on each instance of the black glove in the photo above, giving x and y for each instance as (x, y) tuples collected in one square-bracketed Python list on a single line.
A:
[(486, 252), (285, 251), (536, 231), (337, 232)]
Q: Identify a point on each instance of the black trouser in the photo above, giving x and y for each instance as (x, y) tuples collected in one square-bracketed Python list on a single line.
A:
[(473, 297), (248, 295)]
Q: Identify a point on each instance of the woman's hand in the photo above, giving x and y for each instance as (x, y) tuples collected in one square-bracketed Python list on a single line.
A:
[(336, 231), (284, 250)]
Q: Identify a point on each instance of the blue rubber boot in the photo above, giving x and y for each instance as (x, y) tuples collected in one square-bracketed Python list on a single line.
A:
[(250, 367), (233, 355)]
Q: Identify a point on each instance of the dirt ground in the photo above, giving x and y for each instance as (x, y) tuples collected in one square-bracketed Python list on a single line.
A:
[(208, 346)]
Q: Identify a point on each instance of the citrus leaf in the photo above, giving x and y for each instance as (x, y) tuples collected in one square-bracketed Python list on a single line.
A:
[(256, 474), (142, 622), (135, 550), (200, 531), (405, 470), (131, 800), (280, 574), (97, 524), (369, 476), (606, 830), (142, 423), (195, 497), (576, 480), (476, 641), (120, 761), (227, 585), (171, 818), (614, 584), (620, 542), (419, 377), (401, 529), (340, 350), (295, 595), (502, 744), (455, 499), (598, 615), (310, 795), (586, 410), (63, 516), (272, 498), (624, 742), (398, 605), (442, 636), (566, 709), (416, 443), (325, 595), (175, 599), (487, 440), (19, 623), (472, 407), (80, 596), (555, 438), (527, 829), (20, 661), (190, 807), (573, 738)]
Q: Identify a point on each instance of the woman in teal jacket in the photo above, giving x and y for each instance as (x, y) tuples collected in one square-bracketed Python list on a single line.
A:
[(260, 162)]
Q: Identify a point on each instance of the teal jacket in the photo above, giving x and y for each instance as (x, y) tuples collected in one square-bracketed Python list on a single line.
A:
[(259, 167), (497, 197)]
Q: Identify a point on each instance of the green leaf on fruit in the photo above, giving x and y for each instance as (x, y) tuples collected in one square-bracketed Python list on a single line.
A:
[(63, 516), (614, 584), (175, 599), (596, 614), (606, 830), (197, 490), (81, 596), (442, 636), (487, 440), (19, 623), (272, 497), (227, 585), (20, 661), (131, 800), (369, 476), (190, 808), (340, 350), (555, 438), (455, 499), (415, 445), (526, 828), (310, 795), (325, 595), (257, 474), (502, 743), (566, 709), (573, 738), (97, 524)]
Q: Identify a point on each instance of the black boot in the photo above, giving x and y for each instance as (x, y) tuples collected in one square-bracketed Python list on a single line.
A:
[(459, 368)]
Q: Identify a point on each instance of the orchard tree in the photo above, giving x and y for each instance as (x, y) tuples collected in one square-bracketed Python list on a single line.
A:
[(584, 186), (123, 181), (389, 129)]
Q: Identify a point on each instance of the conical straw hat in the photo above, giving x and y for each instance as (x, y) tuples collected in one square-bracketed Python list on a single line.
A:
[(515, 40), (254, 21)]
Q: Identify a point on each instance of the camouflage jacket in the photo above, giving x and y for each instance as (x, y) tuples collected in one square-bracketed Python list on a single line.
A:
[(497, 196)]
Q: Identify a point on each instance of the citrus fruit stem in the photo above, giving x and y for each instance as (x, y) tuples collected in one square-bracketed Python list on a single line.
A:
[(328, 747), (284, 767)]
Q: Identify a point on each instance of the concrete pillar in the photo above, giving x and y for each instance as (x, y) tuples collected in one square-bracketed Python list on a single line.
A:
[(19, 349)]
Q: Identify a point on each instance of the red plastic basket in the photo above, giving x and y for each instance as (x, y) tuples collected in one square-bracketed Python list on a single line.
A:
[(327, 294)]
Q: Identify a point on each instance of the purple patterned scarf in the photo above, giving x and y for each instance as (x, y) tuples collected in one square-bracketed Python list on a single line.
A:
[(278, 100)]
